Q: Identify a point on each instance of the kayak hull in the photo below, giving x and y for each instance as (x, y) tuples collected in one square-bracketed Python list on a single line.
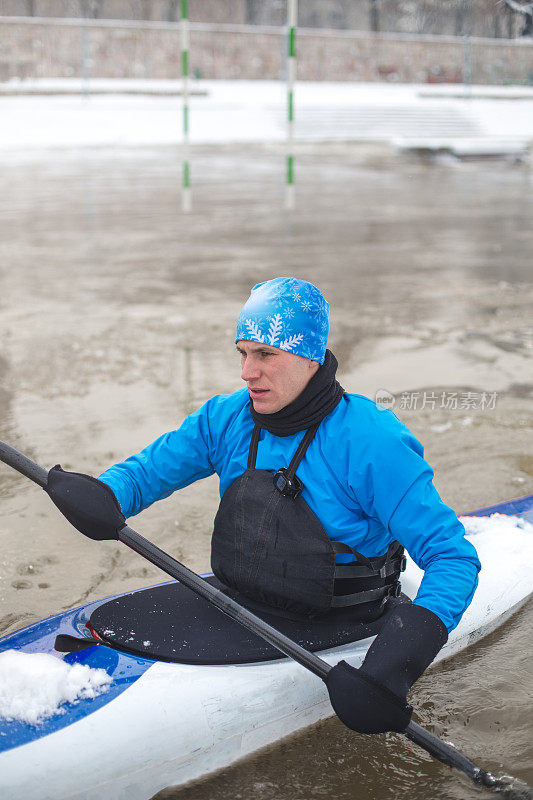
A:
[(167, 724)]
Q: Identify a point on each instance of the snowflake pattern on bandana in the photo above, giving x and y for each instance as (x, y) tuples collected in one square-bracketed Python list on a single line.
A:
[(287, 313)]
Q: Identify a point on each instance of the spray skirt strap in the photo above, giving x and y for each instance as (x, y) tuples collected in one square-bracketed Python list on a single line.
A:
[(252, 452), (285, 479), (382, 592), (392, 563), (394, 567), (301, 450), (341, 547)]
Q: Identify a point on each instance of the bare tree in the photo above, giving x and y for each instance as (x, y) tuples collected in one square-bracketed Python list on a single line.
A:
[(251, 12), (374, 16), (90, 8), (172, 15), (146, 10), (460, 20), (522, 8)]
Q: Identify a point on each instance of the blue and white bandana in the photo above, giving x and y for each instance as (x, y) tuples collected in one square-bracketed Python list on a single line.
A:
[(287, 313)]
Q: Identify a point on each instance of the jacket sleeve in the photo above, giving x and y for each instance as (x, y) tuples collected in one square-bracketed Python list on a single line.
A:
[(434, 538), (173, 461), (398, 491)]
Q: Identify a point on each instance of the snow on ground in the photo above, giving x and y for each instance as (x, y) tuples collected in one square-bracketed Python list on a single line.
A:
[(35, 686), (255, 111)]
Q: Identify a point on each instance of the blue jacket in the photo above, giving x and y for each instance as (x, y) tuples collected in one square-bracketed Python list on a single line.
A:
[(364, 475)]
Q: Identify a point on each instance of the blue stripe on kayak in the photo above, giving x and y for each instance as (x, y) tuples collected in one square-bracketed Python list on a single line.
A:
[(520, 507), (124, 669)]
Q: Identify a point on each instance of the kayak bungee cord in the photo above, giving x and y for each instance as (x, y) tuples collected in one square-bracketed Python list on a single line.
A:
[(442, 751)]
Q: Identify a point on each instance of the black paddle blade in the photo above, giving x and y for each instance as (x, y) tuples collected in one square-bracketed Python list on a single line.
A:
[(508, 788)]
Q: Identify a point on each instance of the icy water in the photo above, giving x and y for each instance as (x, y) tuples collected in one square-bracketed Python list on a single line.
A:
[(116, 319)]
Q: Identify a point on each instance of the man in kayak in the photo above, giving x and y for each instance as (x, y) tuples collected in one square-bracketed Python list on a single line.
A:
[(320, 492)]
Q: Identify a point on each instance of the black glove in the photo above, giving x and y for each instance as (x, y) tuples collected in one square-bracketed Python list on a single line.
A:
[(88, 504), (373, 698)]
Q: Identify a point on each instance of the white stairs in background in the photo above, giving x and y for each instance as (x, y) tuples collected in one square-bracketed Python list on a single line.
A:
[(382, 123)]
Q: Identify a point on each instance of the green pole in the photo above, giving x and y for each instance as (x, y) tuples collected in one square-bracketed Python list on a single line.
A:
[(186, 167), (292, 22)]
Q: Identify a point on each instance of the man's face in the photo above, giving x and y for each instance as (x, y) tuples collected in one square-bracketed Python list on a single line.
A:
[(274, 377)]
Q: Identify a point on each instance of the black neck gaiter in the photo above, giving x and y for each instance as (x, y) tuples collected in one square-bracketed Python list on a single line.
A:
[(321, 395)]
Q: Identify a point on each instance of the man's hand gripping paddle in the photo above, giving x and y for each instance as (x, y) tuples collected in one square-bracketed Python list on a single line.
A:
[(92, 508)]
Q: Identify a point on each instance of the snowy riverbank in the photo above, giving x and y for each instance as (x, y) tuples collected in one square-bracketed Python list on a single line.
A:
[(118, 114)]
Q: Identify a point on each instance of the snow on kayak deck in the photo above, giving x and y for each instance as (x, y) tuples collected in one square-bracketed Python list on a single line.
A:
[(500, 540), (36, 686), (499, 524), (502, 536)]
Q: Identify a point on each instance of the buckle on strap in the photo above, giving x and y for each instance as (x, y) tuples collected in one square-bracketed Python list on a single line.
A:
[(396, 589), (392, 567), (287, 485)]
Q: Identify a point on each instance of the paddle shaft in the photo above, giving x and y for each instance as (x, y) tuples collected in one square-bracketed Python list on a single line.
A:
[(224, 603), (448, 755), (440, 750), (23, 464)]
